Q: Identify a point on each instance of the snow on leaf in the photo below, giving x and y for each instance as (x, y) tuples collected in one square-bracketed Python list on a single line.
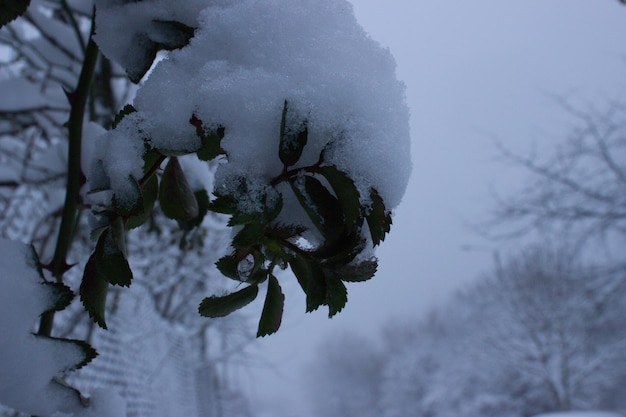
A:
[(30, 365)]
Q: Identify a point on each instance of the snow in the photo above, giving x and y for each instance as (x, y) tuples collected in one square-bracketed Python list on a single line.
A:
[(29, 363), (245, 60)]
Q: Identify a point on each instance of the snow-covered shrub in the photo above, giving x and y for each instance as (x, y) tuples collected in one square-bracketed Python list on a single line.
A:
[(295, 109), (305, 116)]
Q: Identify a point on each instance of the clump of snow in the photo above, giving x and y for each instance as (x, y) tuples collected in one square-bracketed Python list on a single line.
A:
[(117, 156), (103, 403), (28, 363), (245, 60)]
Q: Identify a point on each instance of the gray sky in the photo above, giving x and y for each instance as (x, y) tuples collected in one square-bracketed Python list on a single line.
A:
[(475, 71)]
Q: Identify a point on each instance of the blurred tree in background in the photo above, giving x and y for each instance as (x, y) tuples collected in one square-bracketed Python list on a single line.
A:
[(544, 331)]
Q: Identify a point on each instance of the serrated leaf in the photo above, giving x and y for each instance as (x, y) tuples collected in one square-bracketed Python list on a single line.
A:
[(311, 278), (225, 204), (227, 265), (320, 205), (63, 295), (360, 272), (341, 251), (347, 194), (111, 261), (125, 111), (11, 10), (378, 218), (258, 277), (291, 143), (89, 353), (176, 197), (271, 209), (93, 292), (211, 140), (149, 193), (336, 294), (250, 235), (216, 306), (272, 314)]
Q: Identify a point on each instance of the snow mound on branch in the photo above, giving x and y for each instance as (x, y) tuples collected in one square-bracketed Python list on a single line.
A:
[(245, 59)]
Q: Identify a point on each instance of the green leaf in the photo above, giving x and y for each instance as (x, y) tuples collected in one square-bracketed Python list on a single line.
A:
[(284, 232), (151, 158), (172, 34), (63, 295), (378, 219), (272, 314), (311, 278), (93, 292), (11, 10), (341, 251), (227, 265), (320, 205), (89, 353), (225, 204), (291, 143), (250, 235), (168, 35), (122, 207), (336, 294), (176, 197), (360, 272), (270, 209), (110, 259), (125, 111), (202, 197), (211, 140), (215, 306), (149, 193), (347, 194)]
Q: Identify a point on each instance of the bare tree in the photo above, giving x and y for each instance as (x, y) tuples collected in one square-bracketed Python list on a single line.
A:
[(577, 192), (547, 316)]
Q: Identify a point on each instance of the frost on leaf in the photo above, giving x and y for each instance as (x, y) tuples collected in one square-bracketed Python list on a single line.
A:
[(33, 367)]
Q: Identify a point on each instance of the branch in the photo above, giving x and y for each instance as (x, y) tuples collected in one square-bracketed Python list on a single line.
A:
[(78, 101)]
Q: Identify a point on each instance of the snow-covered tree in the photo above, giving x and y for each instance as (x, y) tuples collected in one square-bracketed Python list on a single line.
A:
[(541, 333), (272, 135)]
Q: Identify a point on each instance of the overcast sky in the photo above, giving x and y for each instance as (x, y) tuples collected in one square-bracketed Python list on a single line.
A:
[(475, 71)]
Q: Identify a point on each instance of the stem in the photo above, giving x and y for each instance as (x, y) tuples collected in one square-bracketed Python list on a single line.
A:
[(78, 100)]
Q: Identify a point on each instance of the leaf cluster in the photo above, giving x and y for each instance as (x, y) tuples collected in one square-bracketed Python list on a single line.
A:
[(337, 211)]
